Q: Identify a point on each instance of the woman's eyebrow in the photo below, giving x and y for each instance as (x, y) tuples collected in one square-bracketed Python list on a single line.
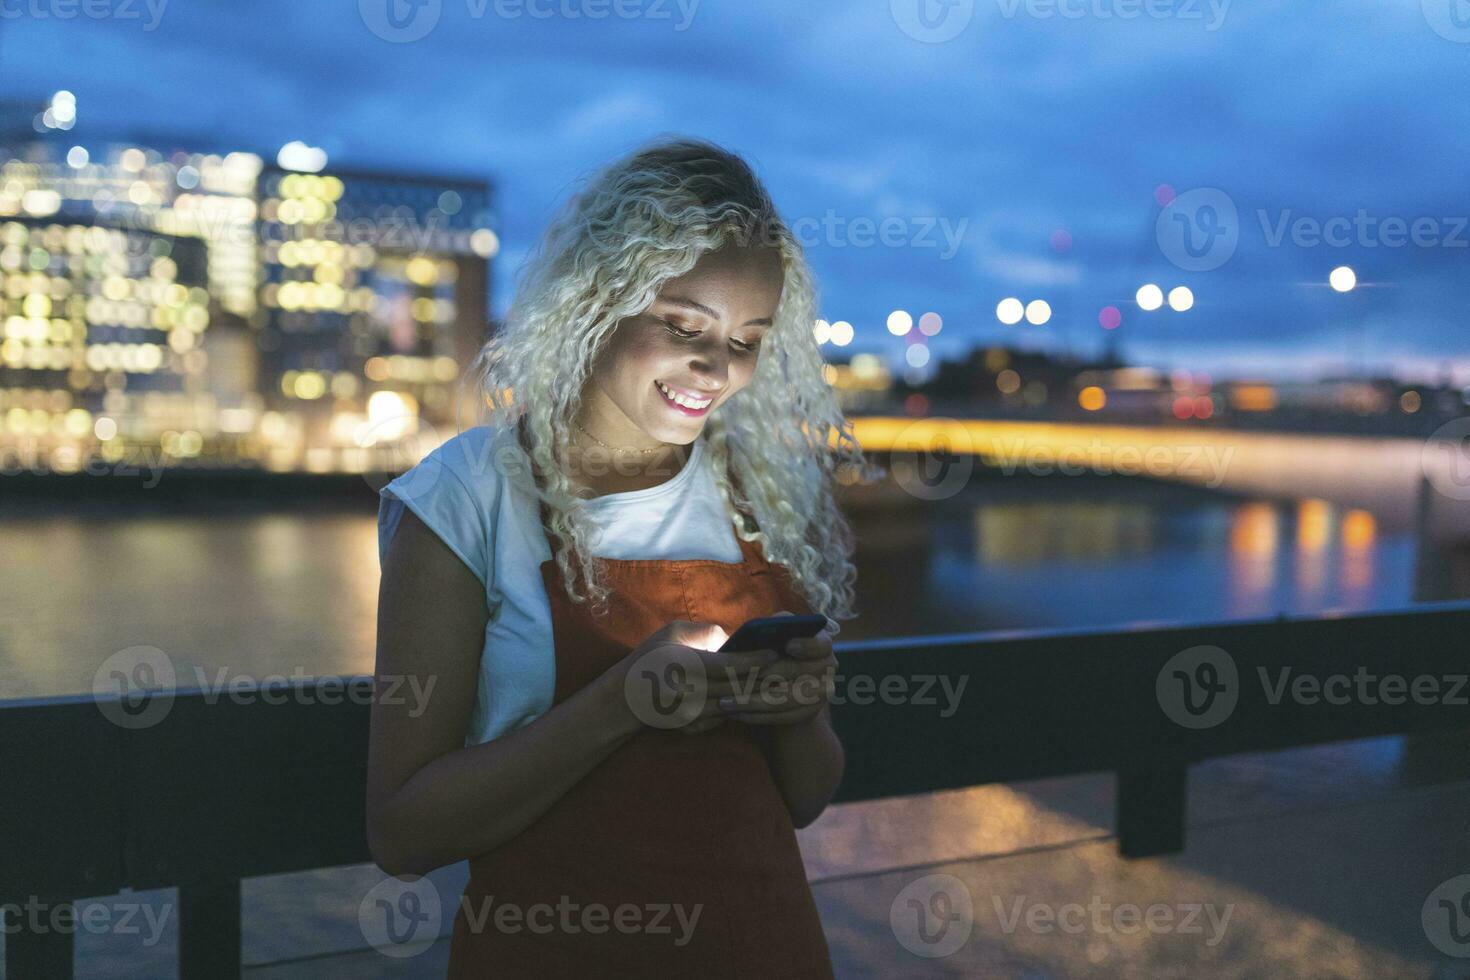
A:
[(764, 321)]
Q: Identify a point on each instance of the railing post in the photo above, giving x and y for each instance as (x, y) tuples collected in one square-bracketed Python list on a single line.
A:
[(1151, 804), (209, 930), (38, 940)]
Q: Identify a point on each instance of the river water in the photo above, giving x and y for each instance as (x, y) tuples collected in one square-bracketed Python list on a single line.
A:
[(284, 589)]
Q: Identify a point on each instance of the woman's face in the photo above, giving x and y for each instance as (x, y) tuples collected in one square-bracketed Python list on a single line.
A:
[(665, 370)]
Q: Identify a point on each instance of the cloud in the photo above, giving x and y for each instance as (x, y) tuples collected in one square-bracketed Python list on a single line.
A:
[(1019, 125)]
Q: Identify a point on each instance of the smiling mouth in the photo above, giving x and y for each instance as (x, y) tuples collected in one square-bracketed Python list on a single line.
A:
[(686, 403)]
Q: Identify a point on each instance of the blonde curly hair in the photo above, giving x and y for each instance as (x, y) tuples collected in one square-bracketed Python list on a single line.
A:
[(776, 445)]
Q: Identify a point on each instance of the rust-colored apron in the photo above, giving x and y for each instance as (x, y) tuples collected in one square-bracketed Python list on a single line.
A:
[(668, 823)]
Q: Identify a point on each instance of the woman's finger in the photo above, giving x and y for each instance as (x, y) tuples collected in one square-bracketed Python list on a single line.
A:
[(789, 717)]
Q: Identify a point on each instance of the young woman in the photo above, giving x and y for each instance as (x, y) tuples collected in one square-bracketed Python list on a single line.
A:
[(657, 468)]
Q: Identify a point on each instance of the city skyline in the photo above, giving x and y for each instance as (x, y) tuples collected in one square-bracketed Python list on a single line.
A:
[(226, 310), (1006, 176)]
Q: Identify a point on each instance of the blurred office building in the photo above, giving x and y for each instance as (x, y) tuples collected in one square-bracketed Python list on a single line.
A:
[(206, 308)]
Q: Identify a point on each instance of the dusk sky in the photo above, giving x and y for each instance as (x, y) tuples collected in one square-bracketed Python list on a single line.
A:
[(982, 145)]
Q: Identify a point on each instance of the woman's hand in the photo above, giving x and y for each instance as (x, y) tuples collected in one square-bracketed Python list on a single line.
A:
[(791, 704), (677, 678), (793, 690)]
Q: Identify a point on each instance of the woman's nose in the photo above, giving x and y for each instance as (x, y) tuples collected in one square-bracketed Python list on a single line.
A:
[(711, 365)]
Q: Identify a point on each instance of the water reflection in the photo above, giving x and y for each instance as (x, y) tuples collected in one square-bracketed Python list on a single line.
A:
[(273, 593), (1070, 553)]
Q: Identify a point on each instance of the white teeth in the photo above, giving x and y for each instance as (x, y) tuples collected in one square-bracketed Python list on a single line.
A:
[(687, 402)]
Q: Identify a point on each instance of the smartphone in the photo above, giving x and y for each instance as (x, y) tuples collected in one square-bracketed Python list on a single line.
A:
[(773, 633)]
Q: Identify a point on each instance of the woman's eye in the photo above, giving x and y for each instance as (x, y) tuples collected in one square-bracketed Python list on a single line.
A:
[(683, 334), (678, 332)]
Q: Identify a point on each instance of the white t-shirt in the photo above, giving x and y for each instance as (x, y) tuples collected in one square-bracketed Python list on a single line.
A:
[(491, 520)]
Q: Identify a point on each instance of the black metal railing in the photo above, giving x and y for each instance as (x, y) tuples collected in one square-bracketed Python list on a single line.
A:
[(225, 788)]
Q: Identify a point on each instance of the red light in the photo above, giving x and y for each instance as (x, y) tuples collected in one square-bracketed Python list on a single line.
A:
[(916, 405), (1183, 407)]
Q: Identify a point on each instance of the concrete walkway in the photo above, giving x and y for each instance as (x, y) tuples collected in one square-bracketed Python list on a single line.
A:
[(1313, 863)]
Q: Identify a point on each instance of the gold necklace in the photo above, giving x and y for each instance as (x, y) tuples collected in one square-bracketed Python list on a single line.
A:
[(604, 445)]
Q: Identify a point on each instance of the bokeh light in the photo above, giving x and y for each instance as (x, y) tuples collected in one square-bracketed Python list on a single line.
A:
[(1343, 279)]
